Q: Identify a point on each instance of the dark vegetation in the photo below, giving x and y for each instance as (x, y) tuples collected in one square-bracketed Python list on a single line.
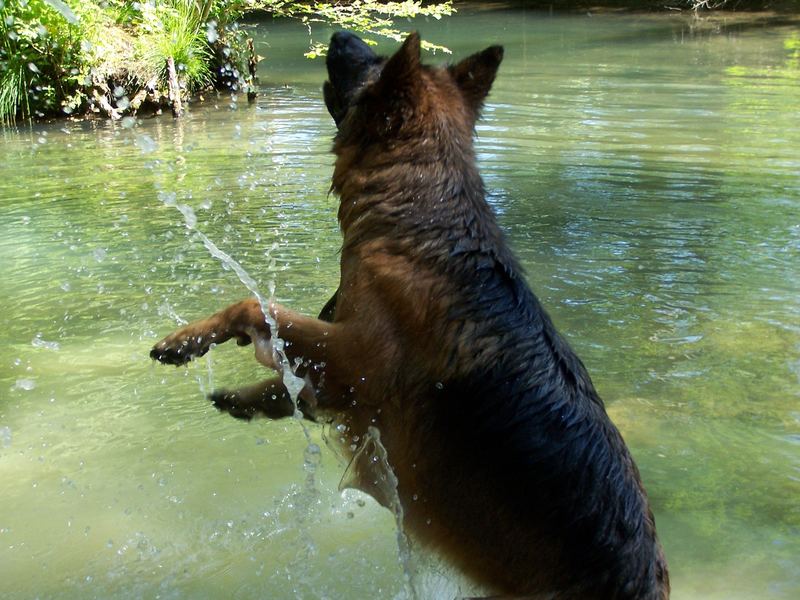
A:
[(116, 57)]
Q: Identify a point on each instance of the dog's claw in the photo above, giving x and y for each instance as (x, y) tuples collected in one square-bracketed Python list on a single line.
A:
[(178, 351)]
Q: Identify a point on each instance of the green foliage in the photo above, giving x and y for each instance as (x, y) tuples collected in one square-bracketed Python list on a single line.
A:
[(369, 17), (63, 56), (793, 45), (13, 93), (39, 51), (175, 30)]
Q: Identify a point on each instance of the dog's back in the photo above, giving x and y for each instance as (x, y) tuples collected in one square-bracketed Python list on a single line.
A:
[(518, 473), (527, 442)]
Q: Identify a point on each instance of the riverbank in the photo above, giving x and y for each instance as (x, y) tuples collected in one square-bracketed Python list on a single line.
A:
[(117, 58), (114, 58)]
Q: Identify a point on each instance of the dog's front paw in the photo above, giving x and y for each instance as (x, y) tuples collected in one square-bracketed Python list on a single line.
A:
[(180, 347), (233, 403)]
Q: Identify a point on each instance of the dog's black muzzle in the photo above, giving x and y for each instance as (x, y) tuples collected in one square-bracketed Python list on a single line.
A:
[(349, 63)]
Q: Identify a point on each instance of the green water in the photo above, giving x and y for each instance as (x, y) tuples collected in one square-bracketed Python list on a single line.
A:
[(647, 171)]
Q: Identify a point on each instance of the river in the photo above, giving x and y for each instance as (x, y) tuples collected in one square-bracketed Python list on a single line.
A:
[(646, 170)]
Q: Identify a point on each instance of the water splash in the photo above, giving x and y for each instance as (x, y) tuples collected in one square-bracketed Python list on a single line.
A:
[(312, 455), (293, 384), (371, 460), (370, 472)]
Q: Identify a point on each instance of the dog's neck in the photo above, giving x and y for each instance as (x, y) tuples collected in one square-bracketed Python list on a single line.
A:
[(413, 197)]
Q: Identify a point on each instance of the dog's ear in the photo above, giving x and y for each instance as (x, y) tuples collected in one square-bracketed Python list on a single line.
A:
[(475, 74), (397, 93), (400, 75)]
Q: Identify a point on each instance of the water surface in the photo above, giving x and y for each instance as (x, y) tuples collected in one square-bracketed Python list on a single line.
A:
[(646, 171)]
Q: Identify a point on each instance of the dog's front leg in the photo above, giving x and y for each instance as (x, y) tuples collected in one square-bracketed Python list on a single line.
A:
[(313, 347), (306, 339), (244, 321), (269, 398)]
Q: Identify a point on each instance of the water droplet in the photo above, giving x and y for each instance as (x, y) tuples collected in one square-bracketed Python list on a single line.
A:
[(5, 437), (146, 144), (311, 458), (24, 384), (38, 342), (168, 198)]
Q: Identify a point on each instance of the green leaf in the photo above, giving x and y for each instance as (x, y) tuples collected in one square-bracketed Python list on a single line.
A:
[(64, 10)]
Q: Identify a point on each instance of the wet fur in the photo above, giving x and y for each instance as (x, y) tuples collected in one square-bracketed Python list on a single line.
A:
[(506, 460)]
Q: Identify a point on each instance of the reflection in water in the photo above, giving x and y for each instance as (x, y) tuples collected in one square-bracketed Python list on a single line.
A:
[(647, 174)]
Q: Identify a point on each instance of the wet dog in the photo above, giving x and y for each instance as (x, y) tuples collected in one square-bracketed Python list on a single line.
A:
[(435, 350)]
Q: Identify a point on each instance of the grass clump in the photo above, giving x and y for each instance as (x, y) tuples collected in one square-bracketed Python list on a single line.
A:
[(39, 56), (176, 31)]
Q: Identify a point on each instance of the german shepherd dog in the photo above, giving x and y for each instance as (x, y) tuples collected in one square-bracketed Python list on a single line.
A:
[(505, 459)]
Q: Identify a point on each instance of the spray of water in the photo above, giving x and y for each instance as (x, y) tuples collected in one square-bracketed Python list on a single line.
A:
[(370, 471), (372, 448), (293, 384), (381, 457)]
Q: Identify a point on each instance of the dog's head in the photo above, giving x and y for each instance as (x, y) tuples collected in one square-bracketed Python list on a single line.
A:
[(382, 99), (351, 64)]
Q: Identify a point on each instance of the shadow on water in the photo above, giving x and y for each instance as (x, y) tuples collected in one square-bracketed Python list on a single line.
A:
[(652, 201)]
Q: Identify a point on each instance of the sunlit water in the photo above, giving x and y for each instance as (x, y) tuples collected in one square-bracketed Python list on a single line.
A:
[(647, 171)]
